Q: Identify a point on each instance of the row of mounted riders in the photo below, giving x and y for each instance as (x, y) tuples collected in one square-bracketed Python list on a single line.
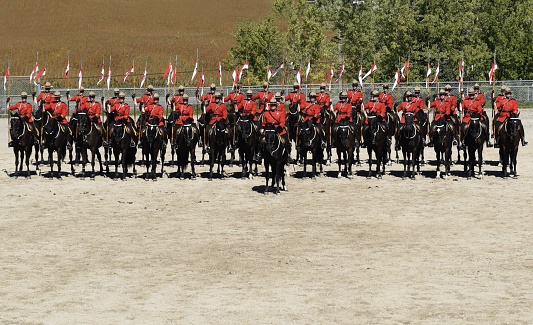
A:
[(311, 127)]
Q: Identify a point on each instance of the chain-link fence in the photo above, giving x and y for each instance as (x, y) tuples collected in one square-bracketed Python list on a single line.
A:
[(522, 90)]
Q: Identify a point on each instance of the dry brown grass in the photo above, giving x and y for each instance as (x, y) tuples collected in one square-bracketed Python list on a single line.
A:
[(125, 29)]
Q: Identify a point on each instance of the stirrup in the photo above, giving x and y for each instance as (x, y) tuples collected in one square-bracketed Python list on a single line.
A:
[(132, 144), (454, 142), (10, 144), (323, 145), (69, 146), (524, 142)]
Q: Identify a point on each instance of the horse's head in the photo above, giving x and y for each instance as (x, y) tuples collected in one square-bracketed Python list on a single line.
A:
[(271, 139), (51, 127), (307, 133), (221, 130), (409, 118), (513, 126), (475, 124), (16, 126), (152, 129), (188, 134), (119, 131), (246, 127), (84, 123), (441, 131), (343, 131), (293, 108)]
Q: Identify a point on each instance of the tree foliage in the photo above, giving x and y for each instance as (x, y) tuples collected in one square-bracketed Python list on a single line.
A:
[(392, 31)]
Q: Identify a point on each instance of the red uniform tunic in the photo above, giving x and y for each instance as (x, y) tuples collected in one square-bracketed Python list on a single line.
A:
[(471, 106), (411, 107), (186, 112), (344, 110), (275, 117), (264, 98), (376, 107), (157, 111), (310, 111), (294, 96), (25, 109), (442, 108), (499, 100), (507, 108), (122, 111), (234, 98), (210, 98), (248, 107), (323, 100), (176, 100), (420, 102), (218, 112), (355, 97), (386, 99), (453, 103), (281, 108), (147, 99), (46, 97), (94, 109), (81, 98), (480, 98), (59, 109), (112, 101)]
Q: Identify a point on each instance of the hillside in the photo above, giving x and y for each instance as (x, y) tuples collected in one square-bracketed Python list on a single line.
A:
[(125, 29)]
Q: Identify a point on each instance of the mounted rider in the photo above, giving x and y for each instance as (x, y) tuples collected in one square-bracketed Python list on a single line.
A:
[(146, 99), (386, 98), (310, 112), (217, 111), (450, 98), (25, 112), (471, 106), (94, 109), (156, 113), (80, 99), (343, 110), (59, 112), (185, 115), (442, 110), (177, 99), (376, 108), (295, 97), (113, 100), (409, 105), (122, 110), (281, 105), (507, 108), (479, 97), (45, 97), (276, 118), (234, 98), (323, 99), (264, 98)]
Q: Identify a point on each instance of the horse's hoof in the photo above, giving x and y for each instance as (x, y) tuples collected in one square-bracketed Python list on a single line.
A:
[(379, 177), (469, 178), (339, 175)]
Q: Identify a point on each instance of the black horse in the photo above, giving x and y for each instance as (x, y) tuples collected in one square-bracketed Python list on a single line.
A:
[(153, 142), (121, 142), (327, 119), (90, 139), (293, 119), (358, 130), (442, 141), (310, 142), (232, 126), (345, 144), (40, 119), (474, 141), (56, 140), (411, 144), (276, 156), (392, 122), (375, 138), (23, 141), (247, 137), (186, 138), (509, 135), (218, 142)]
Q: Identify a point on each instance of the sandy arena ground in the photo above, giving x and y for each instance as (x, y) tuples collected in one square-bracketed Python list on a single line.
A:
[(330, 251)]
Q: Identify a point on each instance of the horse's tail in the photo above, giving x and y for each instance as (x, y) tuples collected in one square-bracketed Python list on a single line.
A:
[(130, 156)]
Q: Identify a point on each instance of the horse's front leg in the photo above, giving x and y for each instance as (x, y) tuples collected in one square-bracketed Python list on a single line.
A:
[(480, 162)]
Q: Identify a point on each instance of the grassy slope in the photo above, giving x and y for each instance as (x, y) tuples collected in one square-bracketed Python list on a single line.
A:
[(123, 29)]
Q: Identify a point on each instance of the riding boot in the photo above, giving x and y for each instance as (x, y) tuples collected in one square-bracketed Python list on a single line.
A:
[(496, 141)]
